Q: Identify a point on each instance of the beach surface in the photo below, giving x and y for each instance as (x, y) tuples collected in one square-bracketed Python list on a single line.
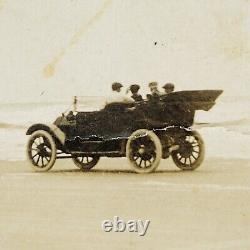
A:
[(64, 208)]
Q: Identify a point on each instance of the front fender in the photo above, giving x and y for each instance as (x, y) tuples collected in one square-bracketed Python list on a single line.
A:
[(50, 128)]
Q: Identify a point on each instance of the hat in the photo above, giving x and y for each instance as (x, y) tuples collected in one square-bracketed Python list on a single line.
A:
[(152, 84), (169, 86), (116, 85), (134, 88)]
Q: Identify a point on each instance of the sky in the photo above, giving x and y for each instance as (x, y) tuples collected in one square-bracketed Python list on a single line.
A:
[(52, 50)]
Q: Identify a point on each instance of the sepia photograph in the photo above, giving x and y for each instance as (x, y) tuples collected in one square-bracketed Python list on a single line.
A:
[(125, 124)]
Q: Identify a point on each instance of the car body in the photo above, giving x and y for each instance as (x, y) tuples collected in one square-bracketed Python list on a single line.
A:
[(144, 132)]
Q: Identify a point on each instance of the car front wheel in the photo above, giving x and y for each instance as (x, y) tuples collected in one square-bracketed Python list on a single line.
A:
[(41, 151)]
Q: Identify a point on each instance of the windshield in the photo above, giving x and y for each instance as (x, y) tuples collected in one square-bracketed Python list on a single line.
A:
[(88, 103)]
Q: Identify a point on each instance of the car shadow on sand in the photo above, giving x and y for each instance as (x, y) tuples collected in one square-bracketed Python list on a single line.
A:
[(121, 171)]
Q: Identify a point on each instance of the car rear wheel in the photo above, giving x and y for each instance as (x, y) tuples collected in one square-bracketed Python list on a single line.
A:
[(41, 151), (85, 163), (191, 151), (144, 151)]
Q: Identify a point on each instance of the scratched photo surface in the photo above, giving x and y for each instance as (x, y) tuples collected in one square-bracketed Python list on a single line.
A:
[(54, 50)]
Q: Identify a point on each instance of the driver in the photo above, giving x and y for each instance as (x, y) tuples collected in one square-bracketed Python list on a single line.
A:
[(117, 94)]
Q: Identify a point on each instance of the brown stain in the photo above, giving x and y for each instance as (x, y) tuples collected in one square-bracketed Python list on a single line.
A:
[(49, 69)]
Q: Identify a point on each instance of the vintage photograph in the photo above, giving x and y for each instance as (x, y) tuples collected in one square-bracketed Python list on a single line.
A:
[(125, 124)]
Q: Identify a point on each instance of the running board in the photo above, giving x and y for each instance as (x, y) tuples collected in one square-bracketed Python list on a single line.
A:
[(99, 153)]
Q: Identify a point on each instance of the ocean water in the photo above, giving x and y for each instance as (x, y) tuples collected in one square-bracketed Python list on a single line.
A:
[(225, 128)]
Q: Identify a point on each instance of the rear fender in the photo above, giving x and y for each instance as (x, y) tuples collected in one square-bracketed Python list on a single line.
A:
[(50, 128)]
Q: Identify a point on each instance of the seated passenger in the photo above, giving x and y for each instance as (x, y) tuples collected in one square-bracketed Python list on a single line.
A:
[(168, 88), (134, 88), (117, 95), (155, 93)]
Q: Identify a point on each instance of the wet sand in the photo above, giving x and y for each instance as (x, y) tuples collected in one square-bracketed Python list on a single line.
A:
[(64, 208)]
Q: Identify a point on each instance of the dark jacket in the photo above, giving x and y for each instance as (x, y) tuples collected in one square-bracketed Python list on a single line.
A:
[(137, 97)]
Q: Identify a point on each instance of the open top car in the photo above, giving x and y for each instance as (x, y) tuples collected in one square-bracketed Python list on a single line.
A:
[(145, 132)]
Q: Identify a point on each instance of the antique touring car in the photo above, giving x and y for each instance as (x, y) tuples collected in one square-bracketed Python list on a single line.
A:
[(144, 132)]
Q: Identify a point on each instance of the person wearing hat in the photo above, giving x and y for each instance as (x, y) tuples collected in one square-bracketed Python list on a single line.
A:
[(117, 95), (155, 93), (168, 88), (134, 88), (116, 87), (153, 86)]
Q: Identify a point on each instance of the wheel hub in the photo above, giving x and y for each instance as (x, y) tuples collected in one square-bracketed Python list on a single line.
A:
[(144, 153), (141, 150), (186, 149), (41, 150)]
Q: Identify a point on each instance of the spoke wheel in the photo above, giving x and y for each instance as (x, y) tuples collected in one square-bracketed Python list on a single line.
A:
[(191, 152), (41, 151), (144, 151), (85, 163)]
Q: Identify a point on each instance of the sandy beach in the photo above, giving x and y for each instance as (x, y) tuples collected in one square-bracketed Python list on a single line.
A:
[(64, 208)]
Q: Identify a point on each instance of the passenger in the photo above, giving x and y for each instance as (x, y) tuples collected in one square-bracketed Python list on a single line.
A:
[(117, 95), (134, 88), (168, 88), (155, 93), (116, 87)]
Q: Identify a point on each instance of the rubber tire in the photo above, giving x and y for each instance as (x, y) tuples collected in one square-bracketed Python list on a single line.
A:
[(53, 150), (200, 159), (158, 146), (84, 166)]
